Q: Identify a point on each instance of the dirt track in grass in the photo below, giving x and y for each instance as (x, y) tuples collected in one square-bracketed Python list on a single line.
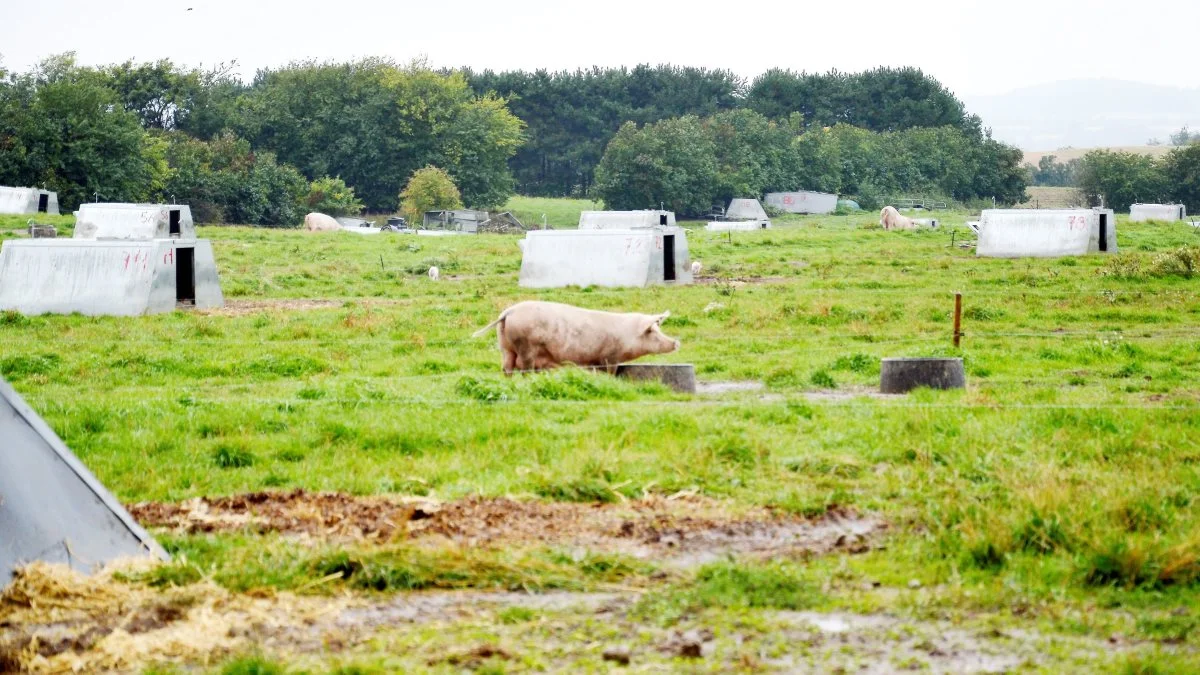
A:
[(683, 531)]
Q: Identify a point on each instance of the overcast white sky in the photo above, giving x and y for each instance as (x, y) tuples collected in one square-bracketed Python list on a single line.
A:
[(973, 47)]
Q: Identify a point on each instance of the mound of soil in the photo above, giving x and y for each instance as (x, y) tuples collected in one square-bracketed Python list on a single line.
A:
[(684, 532)]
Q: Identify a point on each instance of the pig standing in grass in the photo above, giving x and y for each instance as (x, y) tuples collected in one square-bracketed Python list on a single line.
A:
[(434, 273), (696, 267), (537, 335)]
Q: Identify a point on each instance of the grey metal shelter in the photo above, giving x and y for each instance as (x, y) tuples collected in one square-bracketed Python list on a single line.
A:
[(460, 220), (51, 507)]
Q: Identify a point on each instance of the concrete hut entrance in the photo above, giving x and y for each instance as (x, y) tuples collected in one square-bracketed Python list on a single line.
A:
[(185, 276), (1104, 232), (43, 203), (668, 257)]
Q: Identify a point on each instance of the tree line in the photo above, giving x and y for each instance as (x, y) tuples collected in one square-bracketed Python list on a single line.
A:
[(1121, 179), (688, 162), (340, 137), (572, 116), (333, 137)]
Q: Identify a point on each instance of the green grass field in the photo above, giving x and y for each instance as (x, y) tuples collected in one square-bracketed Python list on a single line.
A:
[(559, 213), (1048, 514)]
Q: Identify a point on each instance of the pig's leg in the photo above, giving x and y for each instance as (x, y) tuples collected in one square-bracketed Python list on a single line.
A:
[(527, 357), (510, 362), (545, 361)]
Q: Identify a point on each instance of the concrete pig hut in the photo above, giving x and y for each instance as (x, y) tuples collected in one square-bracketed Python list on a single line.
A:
[(619, 220), (20, 201), (742, 215), (125, 260), (1046, 233), (605, 257), (1140, 213), (745, 209)]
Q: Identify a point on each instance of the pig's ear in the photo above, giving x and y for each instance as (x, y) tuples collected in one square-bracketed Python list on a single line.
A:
[(662, 317)]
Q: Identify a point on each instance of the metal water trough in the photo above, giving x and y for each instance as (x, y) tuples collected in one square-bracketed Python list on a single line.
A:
[(900, 376), (679, 376)]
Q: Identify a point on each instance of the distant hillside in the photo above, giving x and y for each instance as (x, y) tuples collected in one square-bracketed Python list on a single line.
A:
[(1068, 154), (1088, 113)]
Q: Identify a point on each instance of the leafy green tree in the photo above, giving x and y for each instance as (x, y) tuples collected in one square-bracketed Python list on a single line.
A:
[(883, 99), (477, 143), (374, 123), (1181, 172), (1122, 178), (1183, 137), (429, 189), (157, 93), (571, 116), (1052, 173), (672, 163), (224, 181), (753, 153), (61, 127), (333, 197)]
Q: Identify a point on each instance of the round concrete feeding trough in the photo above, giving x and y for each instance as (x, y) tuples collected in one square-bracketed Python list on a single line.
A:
[(678, 376), (900, 376)]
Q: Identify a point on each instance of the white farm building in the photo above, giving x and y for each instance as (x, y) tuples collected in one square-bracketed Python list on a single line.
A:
[(125, 259), (1140, 213), (21, 201), (1046, 233), (621, 220), (605, 257)]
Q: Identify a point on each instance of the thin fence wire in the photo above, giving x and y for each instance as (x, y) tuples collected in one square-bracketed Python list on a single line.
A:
[(858, 338), (860, 400)]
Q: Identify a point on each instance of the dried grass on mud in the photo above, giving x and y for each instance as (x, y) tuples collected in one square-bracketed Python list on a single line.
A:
[(56, 620), (683, 531)]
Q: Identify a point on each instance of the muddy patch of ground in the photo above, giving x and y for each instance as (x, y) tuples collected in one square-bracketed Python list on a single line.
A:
[(683, 532), (718, 388), (55, 620), (880, 643), (849, 394), (243, 307), (866, 643), (738, 282)]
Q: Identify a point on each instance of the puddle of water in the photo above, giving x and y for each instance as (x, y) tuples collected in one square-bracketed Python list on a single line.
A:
[(868, 643)]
